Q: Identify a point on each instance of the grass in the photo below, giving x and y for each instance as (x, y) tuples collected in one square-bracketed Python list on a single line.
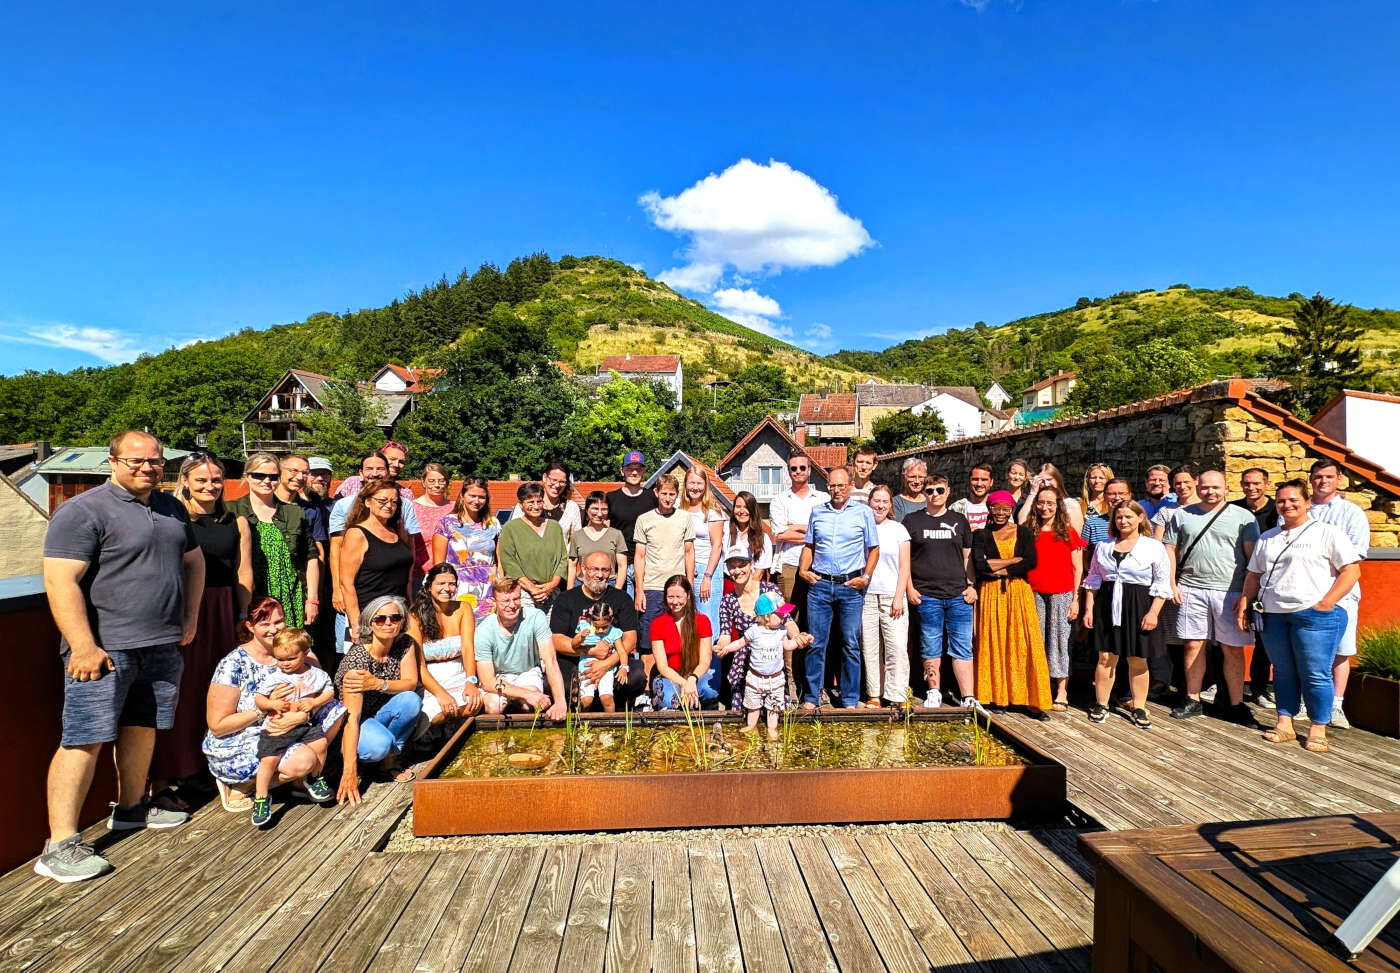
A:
[(1379, 653)]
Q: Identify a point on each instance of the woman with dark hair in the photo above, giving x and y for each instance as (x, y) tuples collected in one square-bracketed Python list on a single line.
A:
[(680, 645), (532, 551), (737, 611), (431, 507), (748, 535), (1010, 654), (285, 566), (1059, 568), (1128, 582), (226, 543), (378, 680), (466, 539), (444, 631), (1050, 476), (234, 720), (376, 556), (597, 535), (556, 482)]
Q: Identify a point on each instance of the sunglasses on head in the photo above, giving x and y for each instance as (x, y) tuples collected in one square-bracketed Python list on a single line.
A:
[(263, 477), (386, 619)]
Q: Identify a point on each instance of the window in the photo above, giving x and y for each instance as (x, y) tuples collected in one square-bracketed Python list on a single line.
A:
[(770, 475)]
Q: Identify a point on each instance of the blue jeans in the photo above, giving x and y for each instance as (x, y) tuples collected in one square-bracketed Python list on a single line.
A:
[(834, 609), (945, 623), (387, 731), (667, 694), (710, 607), (1302, 645), (656, 604)]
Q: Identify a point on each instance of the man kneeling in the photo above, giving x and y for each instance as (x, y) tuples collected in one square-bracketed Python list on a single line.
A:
[(515, 657)]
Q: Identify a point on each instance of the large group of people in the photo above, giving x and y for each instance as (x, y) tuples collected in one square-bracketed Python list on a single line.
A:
[(292, 635)]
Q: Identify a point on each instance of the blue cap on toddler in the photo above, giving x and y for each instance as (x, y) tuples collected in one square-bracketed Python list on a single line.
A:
[(768, 605)]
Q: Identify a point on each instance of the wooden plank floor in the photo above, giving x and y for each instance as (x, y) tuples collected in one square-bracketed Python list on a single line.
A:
[(315, 893)]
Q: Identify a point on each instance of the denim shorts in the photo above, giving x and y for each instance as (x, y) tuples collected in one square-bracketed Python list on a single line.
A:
[(142, 689)]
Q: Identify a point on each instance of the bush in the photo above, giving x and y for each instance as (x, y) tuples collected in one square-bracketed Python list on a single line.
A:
[(1179, 287), (613, 326), (1379, 653)]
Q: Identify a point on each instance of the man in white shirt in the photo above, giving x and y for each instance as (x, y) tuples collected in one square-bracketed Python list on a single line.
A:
[(788, 514), (1329, 507), (973, 507)]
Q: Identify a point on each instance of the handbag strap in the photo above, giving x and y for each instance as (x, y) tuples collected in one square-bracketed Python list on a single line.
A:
[(1181, 561)]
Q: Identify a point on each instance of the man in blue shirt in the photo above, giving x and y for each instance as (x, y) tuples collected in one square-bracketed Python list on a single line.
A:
[(838, 558)]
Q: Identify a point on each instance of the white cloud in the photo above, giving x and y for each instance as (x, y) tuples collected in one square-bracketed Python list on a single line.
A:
[(745, 301), (754, 219), (105, 344), (819, 332)]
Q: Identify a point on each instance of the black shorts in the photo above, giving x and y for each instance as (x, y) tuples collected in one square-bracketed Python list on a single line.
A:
[(275, 746)]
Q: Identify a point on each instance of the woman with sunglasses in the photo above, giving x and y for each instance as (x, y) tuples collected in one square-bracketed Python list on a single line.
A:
[(376, 556), (378, 681), (285, 566), (466, 539), (234, 720), (226, 543), (444, 631)]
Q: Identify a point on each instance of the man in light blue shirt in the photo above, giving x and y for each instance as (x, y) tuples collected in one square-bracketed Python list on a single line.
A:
[(838, 558)]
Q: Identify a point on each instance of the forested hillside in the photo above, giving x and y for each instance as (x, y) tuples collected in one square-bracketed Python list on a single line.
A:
[(1226, 332)]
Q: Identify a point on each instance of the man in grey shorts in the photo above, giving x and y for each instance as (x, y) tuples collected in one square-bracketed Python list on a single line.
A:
[(124, 577)]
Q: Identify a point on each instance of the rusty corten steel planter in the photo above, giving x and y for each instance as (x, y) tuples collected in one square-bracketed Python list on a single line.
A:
[(730, 798)]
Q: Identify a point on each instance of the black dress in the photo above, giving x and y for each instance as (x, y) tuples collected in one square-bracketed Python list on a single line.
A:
[(384, 569), (1127, 639)]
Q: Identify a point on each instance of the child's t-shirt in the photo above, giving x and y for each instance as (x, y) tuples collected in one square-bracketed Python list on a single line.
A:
[(765, 648), (305, 685), (613, 638)]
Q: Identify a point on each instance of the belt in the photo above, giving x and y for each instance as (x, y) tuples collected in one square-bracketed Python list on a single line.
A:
[(839, 578)]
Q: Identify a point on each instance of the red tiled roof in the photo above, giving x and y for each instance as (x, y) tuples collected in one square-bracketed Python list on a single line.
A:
[(1047, 382), (564, 367), (1243, 392), (794, 447), (819, 407), (640, 363), (827, 457)]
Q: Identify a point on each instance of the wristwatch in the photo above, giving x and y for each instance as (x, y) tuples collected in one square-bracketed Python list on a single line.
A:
[(474, 681)]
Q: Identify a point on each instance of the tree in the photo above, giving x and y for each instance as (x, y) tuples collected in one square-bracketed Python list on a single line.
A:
[(905, 430), (1147, 370), (348, 428), (624, 415), (1320, 355)]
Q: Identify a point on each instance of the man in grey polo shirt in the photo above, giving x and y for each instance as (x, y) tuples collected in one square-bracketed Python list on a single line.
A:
[(124, 577)]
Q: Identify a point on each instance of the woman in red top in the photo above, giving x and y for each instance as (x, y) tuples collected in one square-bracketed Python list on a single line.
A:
[(680, 644), (1059, 568)]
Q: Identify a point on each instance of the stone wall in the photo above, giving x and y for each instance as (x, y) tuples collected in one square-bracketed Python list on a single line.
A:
[(1210, 432)]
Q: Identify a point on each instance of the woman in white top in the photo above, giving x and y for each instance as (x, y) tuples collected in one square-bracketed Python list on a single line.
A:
[(1299, 570), (747, 536), (884, 619), (444, 631), (708, 521), (1128, 581)]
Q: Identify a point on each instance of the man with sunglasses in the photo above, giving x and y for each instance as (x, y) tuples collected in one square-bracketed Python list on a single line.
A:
[(942, 591), (788, 514), (124, 576)]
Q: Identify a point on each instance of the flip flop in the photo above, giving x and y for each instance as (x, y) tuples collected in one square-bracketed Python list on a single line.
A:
[(1274, 736), (1059, 707), (404, 775), (233, 799), (1316, 746)]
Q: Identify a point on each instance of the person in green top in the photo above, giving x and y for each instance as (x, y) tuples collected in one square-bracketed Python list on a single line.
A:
[(531, 549), (284, 556)]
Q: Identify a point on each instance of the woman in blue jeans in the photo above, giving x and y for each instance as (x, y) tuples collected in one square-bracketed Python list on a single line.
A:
[(1298, 572), (378, 682)]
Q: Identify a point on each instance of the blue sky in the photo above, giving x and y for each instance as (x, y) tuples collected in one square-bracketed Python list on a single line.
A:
[(180, 173)]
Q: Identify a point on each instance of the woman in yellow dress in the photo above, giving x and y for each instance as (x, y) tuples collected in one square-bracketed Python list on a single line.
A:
[(1011, 665)]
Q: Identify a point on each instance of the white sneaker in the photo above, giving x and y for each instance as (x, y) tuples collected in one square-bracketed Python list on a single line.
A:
[(970, 702), (1339, 719), (1208, 695), (934, 699)]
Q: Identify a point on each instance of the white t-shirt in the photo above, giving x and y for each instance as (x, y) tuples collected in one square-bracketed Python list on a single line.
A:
[(976, 513), (765, 647), (305, 685), (790, 510), (701, 520), (1296, 567), (886, 577)]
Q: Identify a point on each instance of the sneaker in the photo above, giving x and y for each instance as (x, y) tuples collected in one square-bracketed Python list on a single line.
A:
[(934, 699), (1097, 713), (317, 789), (145, 815), (262, 811), (970, 702), (71, 861), (1188, 709), (1208, 694), (1265, 697), (1141, 720), (1339, 719)]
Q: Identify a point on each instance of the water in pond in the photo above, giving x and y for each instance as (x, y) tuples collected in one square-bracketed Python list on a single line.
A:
[(681, 748)]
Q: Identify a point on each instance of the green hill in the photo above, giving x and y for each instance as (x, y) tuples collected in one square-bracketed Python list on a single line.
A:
[(591, 306), (1232, 330)]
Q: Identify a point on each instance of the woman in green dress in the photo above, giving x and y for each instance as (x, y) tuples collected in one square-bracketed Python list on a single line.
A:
[(284, 557)]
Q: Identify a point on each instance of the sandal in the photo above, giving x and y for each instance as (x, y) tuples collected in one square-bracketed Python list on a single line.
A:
[(1275, 736), (1059, 706), (232, 799), (1317, 745), (402, 775)]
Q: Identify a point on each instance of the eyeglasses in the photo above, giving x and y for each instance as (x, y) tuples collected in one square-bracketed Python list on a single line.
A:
[(384, 501), (386, 619), (262, 477), (136, 462)]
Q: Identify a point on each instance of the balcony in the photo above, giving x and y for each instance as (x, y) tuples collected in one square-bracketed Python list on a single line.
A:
[(278, 415), (278, 445), (762, 492)]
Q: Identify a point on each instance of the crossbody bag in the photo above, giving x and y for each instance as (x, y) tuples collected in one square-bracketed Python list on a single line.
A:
[(1257, 608)]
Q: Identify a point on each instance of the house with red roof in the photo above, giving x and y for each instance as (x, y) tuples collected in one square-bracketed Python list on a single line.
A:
[(665, 369)]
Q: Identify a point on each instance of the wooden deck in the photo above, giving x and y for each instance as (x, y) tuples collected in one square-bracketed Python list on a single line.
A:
[(315, 891)]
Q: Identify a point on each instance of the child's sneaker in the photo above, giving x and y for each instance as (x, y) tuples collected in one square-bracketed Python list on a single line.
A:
[(262, 811), (317, 789), (934, 699)]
